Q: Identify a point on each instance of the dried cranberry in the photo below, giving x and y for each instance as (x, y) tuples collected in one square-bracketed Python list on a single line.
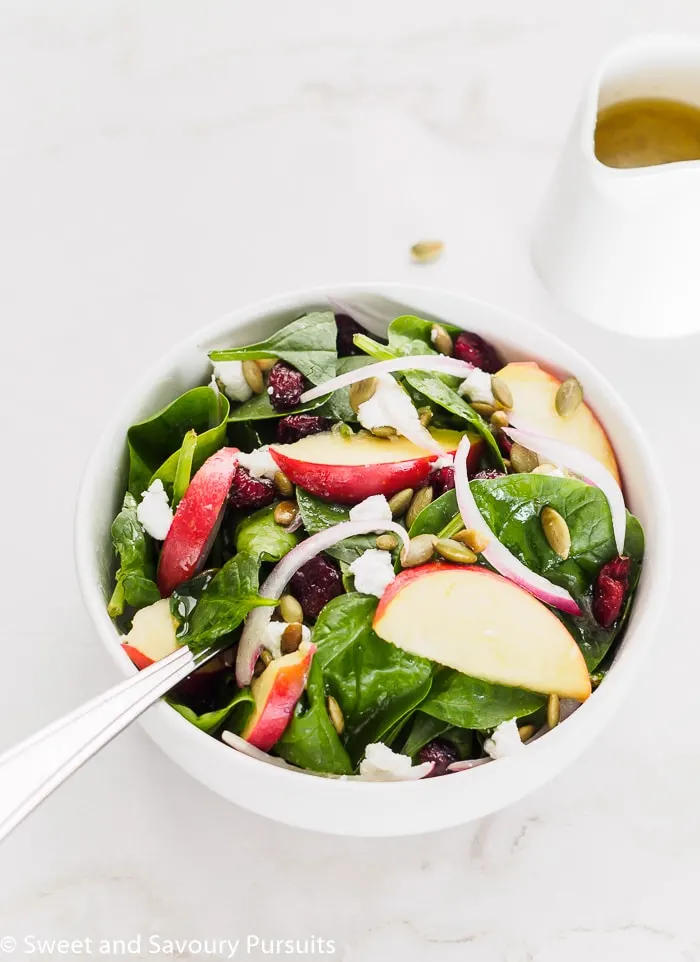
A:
[(285, 385), (315, 584), (487, 475), (474, 349), (249, 492), (443, 480), (440, 753), (347, 327), (504, 443), (610, 589), (296, 426)]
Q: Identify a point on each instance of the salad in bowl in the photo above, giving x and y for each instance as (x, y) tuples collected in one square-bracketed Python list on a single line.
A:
[(407, 555)]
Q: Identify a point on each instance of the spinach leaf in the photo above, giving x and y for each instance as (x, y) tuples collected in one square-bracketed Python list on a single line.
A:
[(311, 741), (183, 470), (259, 408), (374, 682), (438, 514), (211, 720), (308, 344), (184, 599), (317, 515), (136, 573), (337, 406), (409, 334), (226, 600), (260, 535), (154, 444), (424, 728), (470, 703)]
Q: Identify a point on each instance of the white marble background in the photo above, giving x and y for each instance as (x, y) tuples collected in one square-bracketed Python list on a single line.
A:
[(161, 162)]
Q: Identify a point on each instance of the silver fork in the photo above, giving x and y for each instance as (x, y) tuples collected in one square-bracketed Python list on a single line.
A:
[(30, 771)]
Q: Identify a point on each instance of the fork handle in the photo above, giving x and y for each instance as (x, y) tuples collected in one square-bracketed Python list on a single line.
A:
[(33, 769)]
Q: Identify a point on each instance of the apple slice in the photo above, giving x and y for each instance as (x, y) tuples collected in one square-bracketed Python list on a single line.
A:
[(152, 634), (533, 391), (474, 620), (348, 470), (276, 693), (196, 521)]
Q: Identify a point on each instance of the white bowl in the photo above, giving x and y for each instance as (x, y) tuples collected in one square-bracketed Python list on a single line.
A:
[(356, 807)]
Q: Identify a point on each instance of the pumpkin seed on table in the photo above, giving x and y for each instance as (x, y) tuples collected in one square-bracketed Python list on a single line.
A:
[(526, 732), (421, 499), (362, 391), (253, 377), (553, 711), (522, 459), (427, 251), (285, 513), (501, 392), (335, 714), (556, 531), (290, 609), (420, 549), (441, 340), (400, 501), (472, 539), (291, 638), (568, 397), (283, 484), (485, 410), (455, 551), (384, 431), (387, 542)]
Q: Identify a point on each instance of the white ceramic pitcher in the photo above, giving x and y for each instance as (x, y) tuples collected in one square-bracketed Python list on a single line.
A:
[(621, 247)]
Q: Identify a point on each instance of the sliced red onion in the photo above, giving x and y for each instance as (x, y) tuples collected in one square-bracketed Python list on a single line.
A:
[(586, 467), (241, 745), (495, 552), (415, 362), (467, 763), (253, 633)]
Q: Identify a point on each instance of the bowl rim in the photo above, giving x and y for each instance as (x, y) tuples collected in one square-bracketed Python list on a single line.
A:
[(592, 714)]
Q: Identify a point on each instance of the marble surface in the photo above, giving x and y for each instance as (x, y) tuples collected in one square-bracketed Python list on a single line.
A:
[(162, 162)]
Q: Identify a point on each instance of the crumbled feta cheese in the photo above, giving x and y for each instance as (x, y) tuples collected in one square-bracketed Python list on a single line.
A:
[(230, 373), (477, 387), (273, 636), (259, 463), (389, 406), (154, 511), (504, 740), (446, 461), (374, 508), (373, 572), (380, 762)]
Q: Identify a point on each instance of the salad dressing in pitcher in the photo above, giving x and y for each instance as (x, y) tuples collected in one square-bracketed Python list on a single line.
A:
[(647, 131)]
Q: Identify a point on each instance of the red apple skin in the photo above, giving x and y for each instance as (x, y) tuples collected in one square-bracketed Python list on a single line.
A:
[(276, 693), (350, 484), (138, 658), (196, 521)]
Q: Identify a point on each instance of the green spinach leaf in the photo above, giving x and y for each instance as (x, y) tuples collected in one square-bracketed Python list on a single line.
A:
[(136, 574), (375, 683), (260, 535), (425, 728), (470, 703), (184, 599), (308, 344), (337, 406), (259, 408), (210, 721), (317, 515), (154, 444), (311, 741)]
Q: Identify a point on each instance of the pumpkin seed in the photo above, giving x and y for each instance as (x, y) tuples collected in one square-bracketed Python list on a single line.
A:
[(569, 397), (342, 430), (455, 551), (387, 542), (384, 431), (283, 484), (362, 391), (425, 416), (265, 657), (424, 252), (440, 339), (472, 538), (420, 549), (522, 459), (266, 363), (290, 609), (335, 714), (556, 531), (501, 391), (260, 667), (285, 512), (545, 468), (253, 377), (291, 638), (485, 410), (400, 501), (499, 419), (553, 711), (421, 499), (526, 732)]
